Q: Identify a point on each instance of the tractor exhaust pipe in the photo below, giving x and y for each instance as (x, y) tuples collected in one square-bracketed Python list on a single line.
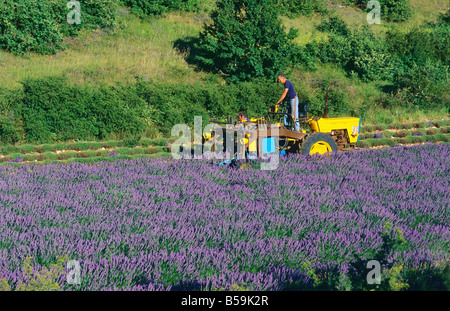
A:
[(325, 113)]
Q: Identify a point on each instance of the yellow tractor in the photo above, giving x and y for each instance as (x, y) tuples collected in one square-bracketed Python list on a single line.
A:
[(325, 134)]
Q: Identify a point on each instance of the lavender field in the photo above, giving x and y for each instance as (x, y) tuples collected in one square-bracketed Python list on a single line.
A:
[(161, 224)]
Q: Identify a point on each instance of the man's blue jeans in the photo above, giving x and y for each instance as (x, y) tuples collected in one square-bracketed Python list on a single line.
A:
[(292, 108)]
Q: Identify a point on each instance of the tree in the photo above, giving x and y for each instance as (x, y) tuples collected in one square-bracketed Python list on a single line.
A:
[(246, 40)]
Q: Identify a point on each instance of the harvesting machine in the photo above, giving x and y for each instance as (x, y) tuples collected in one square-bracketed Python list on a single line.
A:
[(325, 134)]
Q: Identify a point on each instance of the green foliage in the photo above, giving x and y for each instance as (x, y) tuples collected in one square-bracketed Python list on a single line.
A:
[(395, 10), (303, 7), (245, 40), (363, 144), (424, 85), (358, 52), (429, 41), (444, 18), (416, 61), (394, 276), (334, 25), (132, 141), (391, 10), (429, 277), (9, 134), (29, 25), (392, 240), (49, 110), (311, 272), (338, 100), (178, 104), (44, 280), (160, 142), (145, 8), (4, 286), (40, 25), (10, 130), (421, 79), (52, 108), (94, 14)]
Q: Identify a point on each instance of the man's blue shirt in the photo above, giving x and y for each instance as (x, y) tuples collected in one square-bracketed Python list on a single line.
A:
[(291, 92)]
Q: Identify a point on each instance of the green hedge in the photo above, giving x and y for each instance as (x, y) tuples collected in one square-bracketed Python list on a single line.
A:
[(51, 109), (170, 104)]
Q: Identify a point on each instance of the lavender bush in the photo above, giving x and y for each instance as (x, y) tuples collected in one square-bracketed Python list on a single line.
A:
[(161, 224)]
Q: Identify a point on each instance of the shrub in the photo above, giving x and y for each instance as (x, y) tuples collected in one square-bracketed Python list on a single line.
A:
[(334, 25), (400, 134), (245, 40), (160, 142), (395, 10), (145, 8), (367, 128), (94, 14), (421, 77), (421, 43), (363, 144), (304, 7), (388, 134), (338, 101), (9, 134), (391, 10), (424, 85), (29, 25), (357, 52), (43, 280), (174, 104), (40, 25)]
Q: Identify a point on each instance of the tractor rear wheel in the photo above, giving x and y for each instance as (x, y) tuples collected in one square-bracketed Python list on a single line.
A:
[(317, 143)]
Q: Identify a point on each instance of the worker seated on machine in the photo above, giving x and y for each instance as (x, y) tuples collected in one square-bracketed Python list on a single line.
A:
[(243, 118), (250, 146)]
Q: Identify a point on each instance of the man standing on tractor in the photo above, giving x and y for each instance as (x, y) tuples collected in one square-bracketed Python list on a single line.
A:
[(292, 98)]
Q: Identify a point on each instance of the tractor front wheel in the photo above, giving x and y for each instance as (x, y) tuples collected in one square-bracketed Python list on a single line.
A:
[(317, 143)]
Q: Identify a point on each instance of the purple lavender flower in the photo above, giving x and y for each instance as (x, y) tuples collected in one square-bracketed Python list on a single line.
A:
[(161, 224), (17, 160)]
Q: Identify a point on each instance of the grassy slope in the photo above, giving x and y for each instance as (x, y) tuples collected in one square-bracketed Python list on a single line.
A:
[(138, 48), (146, 49)]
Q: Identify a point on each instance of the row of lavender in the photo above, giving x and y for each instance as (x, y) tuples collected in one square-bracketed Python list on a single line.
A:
[(161, 224)]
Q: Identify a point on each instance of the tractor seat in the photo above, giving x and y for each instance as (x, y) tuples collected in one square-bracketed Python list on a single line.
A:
[(302, 110)]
